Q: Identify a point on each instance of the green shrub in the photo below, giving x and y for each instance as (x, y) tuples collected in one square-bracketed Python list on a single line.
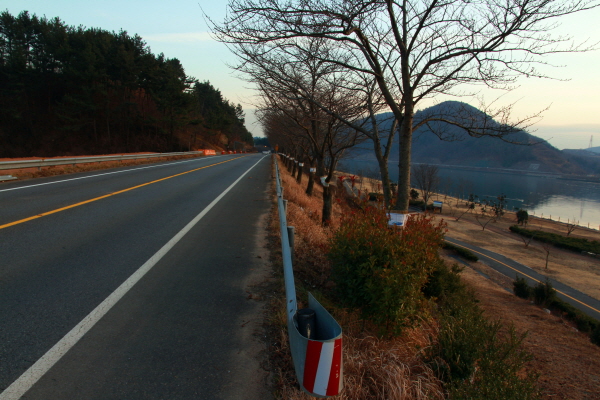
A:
[(414, 195), (461, 251), (544, 294), (380, 271), (416, 203), (521, 288), (443, 281), (565, 242), (522, 217), (584, 322), (475, 358), (595, 336)]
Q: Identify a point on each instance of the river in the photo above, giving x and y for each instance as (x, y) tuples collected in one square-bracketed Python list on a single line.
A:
[(547, 197)]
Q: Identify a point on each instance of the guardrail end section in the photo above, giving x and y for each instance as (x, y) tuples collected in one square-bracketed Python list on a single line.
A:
[(318, 361)]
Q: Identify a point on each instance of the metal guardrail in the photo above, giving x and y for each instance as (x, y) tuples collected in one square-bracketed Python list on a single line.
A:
[(316, 345), (6, 165)]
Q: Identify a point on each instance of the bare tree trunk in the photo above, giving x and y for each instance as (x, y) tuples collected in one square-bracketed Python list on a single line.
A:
[(404, 161), (311, 183), (327, 205), (294, 163), (299, 177), (387, 187)]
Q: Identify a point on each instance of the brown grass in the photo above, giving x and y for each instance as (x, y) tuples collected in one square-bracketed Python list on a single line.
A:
[(374, 368), (30, 173), (567, 362)]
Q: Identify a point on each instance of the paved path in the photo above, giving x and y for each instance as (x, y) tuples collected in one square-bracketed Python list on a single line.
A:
[(511, 268)]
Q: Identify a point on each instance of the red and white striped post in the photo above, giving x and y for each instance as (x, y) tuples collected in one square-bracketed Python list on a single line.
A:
[(319, 360), (323, 368)]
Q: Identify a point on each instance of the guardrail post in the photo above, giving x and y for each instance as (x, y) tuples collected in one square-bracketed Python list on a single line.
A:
[(291, 233)]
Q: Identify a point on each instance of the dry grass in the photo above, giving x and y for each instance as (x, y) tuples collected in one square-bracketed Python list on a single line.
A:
[(30, 173), (567, 362), (374, 368), (382, 369)]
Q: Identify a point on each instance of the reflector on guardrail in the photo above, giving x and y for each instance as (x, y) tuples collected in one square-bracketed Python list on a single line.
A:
[(318, 361)]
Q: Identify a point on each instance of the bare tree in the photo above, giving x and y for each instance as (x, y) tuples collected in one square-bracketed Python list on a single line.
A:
[(415, 50), (312, 130), (426, 179), (526, 239), (572, 225), (484, 219), (470, 206), (547, 248), (491, 210)]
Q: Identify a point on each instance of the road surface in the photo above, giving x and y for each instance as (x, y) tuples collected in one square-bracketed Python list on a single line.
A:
[(133, 283)]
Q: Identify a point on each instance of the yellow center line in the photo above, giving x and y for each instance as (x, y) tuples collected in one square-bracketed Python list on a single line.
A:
[(530, 277), (107, 195)]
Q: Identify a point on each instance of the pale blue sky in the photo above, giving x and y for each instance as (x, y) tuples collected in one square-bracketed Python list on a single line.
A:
[(177, 29)]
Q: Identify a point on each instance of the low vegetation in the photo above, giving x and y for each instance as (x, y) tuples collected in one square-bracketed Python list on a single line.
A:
[(412, 329), (544, 295), (478, 358), (461, 251), (564, 242), (380, 271)]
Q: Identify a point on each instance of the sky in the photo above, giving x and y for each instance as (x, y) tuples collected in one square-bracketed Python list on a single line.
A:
[(178, 29)]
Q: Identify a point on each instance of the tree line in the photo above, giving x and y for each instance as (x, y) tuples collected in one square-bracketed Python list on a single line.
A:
[(75, 90)]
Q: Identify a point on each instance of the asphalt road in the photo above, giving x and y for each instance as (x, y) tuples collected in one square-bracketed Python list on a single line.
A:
[(512, 268), (132, 283)]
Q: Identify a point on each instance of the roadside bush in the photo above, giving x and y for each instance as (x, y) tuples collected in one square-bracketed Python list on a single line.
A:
[(521, 288), (544, 294), (595, 336), (380, 270), (476, 358), (443, 281), (584, 322), (416, 203), (565, 242), (461, 251)]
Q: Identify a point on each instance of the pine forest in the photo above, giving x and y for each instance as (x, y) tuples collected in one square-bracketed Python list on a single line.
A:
[(68, 90)]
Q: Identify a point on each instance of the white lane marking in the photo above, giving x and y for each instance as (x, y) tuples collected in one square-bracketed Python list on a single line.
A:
[(93, 176), (20, 386)]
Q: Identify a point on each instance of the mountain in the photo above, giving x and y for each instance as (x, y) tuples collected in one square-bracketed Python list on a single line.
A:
[(531, 154), (594, 149)]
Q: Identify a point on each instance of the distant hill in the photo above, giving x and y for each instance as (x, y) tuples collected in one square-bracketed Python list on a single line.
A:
[(533, 154), (594, 149)]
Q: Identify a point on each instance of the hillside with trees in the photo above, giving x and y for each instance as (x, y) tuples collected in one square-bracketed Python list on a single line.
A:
[(72, 90), (438, 143)]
